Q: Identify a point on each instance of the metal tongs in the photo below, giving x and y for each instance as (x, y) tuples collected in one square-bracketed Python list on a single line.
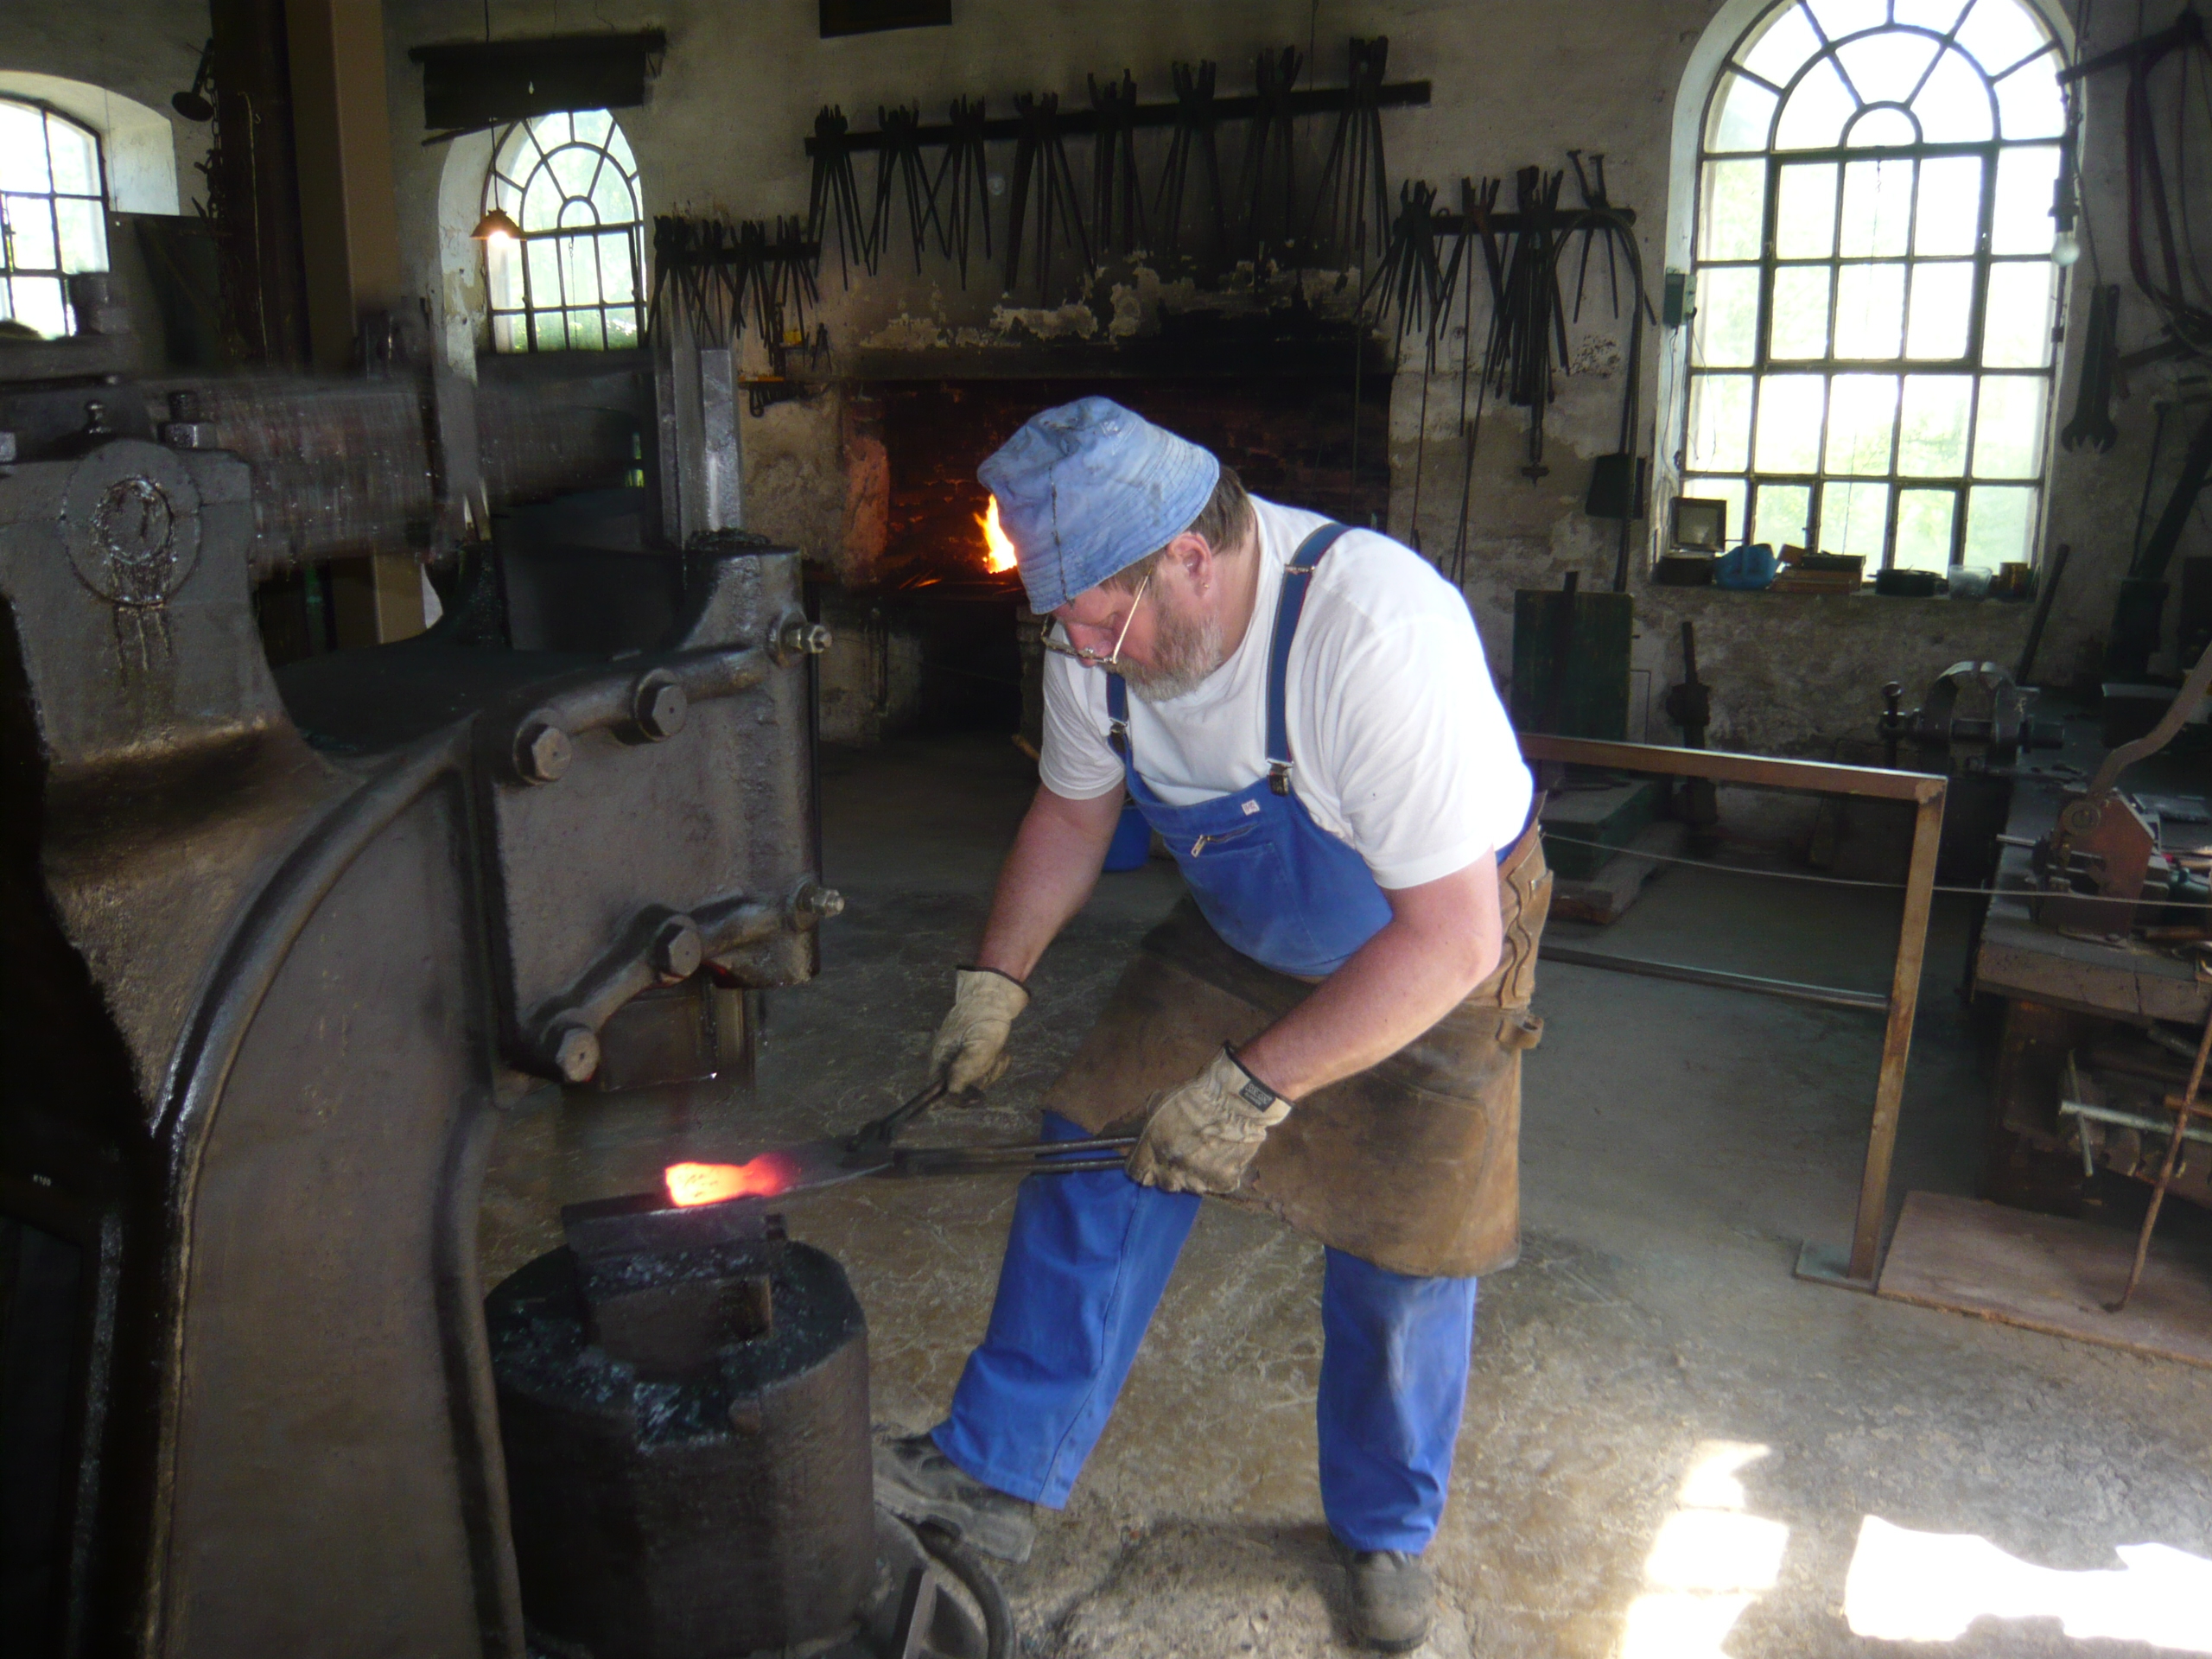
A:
[(869, 1149)]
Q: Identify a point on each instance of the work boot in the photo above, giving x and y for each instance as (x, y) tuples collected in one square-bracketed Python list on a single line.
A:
[(1393, 1599), (918, 1483)]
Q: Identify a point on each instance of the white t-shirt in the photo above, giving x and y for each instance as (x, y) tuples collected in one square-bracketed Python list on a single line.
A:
[(1399, 748)]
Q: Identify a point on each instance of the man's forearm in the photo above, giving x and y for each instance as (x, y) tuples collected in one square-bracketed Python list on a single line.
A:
[(1434, 951), (1046, 877)]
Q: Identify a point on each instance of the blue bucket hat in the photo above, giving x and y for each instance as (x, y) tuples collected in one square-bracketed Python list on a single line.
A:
[(1086, 490)]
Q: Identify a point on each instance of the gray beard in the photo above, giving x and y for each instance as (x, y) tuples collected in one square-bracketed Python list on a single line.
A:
[(1189, 649)]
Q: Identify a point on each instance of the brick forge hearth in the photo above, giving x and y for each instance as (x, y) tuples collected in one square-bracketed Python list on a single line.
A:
[(927, 603)]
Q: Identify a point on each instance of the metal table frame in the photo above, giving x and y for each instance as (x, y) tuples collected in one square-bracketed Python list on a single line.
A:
[(1857, 1271)]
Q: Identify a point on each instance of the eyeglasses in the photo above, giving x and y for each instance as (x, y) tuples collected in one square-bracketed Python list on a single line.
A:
[(1111, 661)]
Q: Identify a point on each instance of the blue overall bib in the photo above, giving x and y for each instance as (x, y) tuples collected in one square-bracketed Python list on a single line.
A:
[(1089, 1256)]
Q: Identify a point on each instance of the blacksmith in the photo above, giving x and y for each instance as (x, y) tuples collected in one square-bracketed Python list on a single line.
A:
[(1329, 1027)]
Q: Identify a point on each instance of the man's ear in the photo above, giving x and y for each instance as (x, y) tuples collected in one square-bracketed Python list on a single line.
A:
[(1192, 553)]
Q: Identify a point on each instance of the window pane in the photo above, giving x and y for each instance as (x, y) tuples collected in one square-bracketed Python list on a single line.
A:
[(1734, 208), (1998, 524), (1932, 425), (38, 305), (592, 126), (1854, 519), (2015, 328), (1727, 315), (1883, 127), (1886, 68), (549, 331), (1733, 491), (75, 158), (1812, 117), (1869, 311), (1800, 312), (1877, 207), (1925, 529), (1943, 306), (1789, 439), (84, 233), (1948, 218), (1954, 106), (621, 327), (508, 335), (1804, 223), (1862, 408), (1779, 514), (1999, 33), (551, 131), (1838, 18), (2028, 103), (23, 149), (541, 203), (1936, 15), (1720, 423), (544, 259), (1743, 112), (617, 279), (503, 269), (1788, 40), (30, 232), (2022, 222), (612, 197), (586, 332), (2008, 427), (618, 148), (580, 270), (575, 169)]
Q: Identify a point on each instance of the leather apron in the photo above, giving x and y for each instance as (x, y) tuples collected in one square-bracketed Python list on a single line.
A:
[(1412, 1164)]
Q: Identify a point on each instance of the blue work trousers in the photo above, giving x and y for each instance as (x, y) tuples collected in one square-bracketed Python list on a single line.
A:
[(1085, 1264)]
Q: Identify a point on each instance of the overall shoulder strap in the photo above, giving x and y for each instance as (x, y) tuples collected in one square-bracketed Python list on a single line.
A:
[(1117, 711), (1297, 577)]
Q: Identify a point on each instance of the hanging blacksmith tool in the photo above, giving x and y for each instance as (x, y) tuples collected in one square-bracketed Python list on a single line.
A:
[(2092, 423), (1411, 284), (900, 171), (834, 199), (1193, 143), (1476, 206), (1351, 209), (1116, 192), (1689, 705), (963, 183), (1270, 180), (1040, 158)]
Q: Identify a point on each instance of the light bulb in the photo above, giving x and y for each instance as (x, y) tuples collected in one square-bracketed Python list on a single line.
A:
[(2065, 249)]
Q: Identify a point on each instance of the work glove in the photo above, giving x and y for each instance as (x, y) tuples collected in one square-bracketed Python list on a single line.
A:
[(970, 1049), (1204, 1132)]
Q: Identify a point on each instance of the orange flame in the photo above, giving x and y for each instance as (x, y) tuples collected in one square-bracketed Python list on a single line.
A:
[(998, 549), (689, 1183)]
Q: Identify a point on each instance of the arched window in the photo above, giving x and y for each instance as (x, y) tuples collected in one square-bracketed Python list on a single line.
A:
[(1870, 366), (575, 280), (52, 214)]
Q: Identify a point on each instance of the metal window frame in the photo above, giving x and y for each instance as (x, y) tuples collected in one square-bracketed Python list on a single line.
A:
[(9, 269), (533, 309), (1769, 263)]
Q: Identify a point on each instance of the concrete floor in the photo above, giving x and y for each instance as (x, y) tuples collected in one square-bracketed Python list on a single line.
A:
[(1670, 1444)]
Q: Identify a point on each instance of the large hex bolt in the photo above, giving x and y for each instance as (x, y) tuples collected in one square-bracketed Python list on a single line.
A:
[(542, 751), (658, 706), (803, 639), (816, 903), (678, 950), (576, 1053)]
